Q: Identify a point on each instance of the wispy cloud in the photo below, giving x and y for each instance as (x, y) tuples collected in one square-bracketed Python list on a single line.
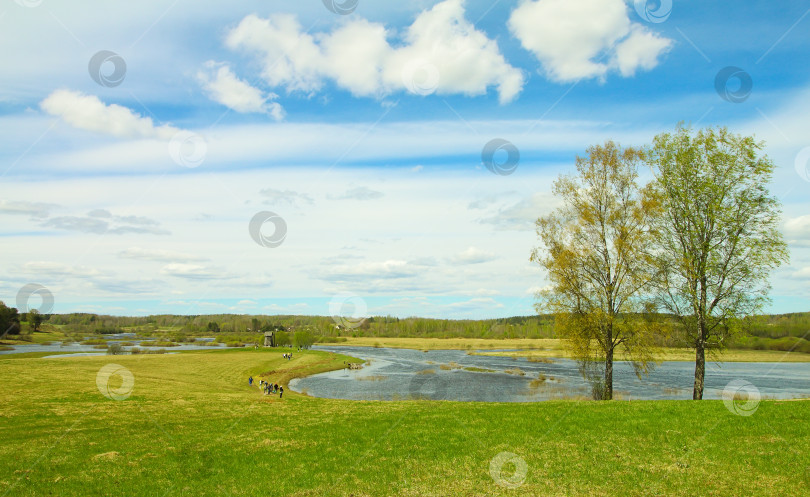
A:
[(273, 196), (194, 271), (473, 255), (158, 255), (35, 210), (118, 225), (517, 216), (224, 87), (358, 193), (89, 113)]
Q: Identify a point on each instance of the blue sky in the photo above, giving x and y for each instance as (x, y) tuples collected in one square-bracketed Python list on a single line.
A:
[(129, 178)]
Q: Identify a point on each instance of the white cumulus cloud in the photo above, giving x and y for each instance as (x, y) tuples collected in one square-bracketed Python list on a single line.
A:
[(89, 113), (441, 51), (640, 50), (224, 87), (586, 38)]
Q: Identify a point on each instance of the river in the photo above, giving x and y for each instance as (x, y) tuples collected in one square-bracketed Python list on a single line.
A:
[(439, 375)]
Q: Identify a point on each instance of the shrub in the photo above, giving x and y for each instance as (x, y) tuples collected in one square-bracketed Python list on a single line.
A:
[(598, 389), (303, 339), (115, 348), (158, 343)]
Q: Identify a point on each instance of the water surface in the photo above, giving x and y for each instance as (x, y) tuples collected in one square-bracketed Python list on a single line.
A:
[(406, 373), (75, 349)]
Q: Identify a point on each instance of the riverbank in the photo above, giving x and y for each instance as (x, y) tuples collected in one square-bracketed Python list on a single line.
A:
[(190, 424), (555, 348)]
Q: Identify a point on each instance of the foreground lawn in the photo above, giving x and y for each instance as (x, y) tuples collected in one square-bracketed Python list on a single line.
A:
[(189, 424)]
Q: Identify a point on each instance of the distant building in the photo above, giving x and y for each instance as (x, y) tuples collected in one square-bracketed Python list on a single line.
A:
[(269, 338)]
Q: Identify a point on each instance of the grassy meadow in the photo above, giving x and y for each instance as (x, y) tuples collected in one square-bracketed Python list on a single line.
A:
[(189, 424)]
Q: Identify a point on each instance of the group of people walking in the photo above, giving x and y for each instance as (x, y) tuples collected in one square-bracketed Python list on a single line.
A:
[(288, 356), (268, 387)]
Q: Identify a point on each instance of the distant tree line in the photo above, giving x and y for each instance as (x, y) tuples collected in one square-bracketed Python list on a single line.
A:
[(318, 326)]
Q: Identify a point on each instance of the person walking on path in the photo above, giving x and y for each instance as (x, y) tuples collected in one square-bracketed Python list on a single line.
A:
[(281, 392), (250, 381)]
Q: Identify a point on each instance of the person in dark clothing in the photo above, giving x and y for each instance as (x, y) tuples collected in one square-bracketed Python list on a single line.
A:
[(281, 392), (250, 381)]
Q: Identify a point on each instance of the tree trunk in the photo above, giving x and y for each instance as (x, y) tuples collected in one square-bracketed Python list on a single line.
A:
[(700, 369), (608, 375)]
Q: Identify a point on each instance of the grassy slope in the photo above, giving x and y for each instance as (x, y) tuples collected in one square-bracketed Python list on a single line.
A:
[(192, 426)]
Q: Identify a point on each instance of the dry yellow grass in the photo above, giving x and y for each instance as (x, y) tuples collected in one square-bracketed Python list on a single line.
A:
[(375, 377), (451, 343), (550, 348), (674, 354)]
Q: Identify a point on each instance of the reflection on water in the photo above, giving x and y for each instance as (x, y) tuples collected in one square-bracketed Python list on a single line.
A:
[(453, 375), (75, 349)]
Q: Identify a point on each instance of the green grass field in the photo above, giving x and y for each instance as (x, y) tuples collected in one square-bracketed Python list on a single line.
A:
[(191, 425)]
